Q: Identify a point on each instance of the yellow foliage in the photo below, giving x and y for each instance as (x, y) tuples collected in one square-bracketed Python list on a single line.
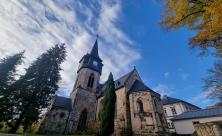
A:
[(204, 16)]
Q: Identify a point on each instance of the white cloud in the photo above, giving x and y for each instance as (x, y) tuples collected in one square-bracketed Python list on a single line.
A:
[(37, 25), (184, 76), (163, 89), (201, 99), (166, 74)]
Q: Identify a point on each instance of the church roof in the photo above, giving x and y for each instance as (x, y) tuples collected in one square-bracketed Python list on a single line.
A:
[(62, 102), (136, 87), (140, 86), (94, 51), (91, 60), (202, 113), (170, 100), (118, 83), (122, 80)]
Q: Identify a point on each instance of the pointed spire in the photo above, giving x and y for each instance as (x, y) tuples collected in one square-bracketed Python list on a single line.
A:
[(94, 50)]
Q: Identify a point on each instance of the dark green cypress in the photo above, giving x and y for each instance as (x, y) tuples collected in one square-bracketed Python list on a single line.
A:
[(7, 77), (108, 111), (37, 87)]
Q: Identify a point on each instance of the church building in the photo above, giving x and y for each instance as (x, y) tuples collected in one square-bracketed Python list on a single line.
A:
[(139, 110)]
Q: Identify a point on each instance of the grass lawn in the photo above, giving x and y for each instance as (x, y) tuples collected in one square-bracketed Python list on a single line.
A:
[(30, 134)]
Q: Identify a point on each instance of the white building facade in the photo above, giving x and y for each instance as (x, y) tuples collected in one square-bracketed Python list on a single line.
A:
[(173, 107), (184, 123)]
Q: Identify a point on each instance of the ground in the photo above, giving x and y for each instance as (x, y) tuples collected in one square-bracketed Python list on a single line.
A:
[(29, 134)]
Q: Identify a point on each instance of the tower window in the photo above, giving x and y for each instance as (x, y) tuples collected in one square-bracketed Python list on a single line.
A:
[(91, 81)]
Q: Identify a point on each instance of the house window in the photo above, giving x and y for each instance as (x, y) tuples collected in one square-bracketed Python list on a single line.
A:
[(140, 106), (91, 81), (174, 112)]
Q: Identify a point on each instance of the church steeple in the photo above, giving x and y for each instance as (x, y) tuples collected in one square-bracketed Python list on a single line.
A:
[(94, 51), (91, 60)]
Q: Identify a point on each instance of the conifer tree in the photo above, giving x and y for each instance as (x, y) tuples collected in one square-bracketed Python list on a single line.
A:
[(37, 87), (7, 73), (108, 111)]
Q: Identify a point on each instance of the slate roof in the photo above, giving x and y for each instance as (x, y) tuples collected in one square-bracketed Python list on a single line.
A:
[(122, 80), (87, 61), (118, 83), (140, 86), (203, 113), (137, 85), (62, 102), (94, 51), (170, 100)]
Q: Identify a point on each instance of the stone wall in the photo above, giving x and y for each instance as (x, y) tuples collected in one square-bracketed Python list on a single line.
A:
[(54, 121), (209, 129), (122, 118), (84, 100), (83, 77), (150, 121)]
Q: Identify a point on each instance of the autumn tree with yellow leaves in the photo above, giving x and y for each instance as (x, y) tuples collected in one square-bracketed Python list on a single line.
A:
[(203, 16)]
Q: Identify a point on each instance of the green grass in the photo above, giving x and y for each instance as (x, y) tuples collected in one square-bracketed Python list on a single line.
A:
[(31, 134)]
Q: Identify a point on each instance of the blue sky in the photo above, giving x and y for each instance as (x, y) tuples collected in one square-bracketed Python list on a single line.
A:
[(130, 35), (167, 63)]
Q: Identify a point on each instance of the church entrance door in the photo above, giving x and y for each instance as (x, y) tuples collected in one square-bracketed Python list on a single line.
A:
[(82, 121)]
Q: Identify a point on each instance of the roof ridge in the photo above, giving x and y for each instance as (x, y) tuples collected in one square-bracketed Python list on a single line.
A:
[(203, 109), (125, 75)]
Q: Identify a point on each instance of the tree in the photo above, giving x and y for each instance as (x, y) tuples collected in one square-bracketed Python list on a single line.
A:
[(203, 16), (7, 77), (108, 111), (36, 88), (213, 82)]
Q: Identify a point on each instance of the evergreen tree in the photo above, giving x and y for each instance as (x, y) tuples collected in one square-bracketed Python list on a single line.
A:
[(108, 112), (37, 87), (7, 73)]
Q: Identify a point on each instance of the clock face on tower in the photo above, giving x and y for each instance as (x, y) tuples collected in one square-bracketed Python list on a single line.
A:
[(95, 63)]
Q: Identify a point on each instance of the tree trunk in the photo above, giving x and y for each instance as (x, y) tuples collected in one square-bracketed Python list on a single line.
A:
[(17, 123)]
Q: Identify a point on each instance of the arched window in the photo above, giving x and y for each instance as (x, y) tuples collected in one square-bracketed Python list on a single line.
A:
[(140, 106), (91, 81)]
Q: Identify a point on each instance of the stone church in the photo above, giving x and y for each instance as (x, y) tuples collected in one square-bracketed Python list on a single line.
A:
[(139, 110)]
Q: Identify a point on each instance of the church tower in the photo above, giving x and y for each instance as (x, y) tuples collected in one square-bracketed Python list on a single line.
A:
[(89, 71), (83, 95)]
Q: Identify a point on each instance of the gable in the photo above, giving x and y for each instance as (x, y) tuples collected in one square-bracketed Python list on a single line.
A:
[(134, 76)]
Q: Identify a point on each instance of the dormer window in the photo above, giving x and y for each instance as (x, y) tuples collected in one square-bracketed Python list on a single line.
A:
[(91, 81)]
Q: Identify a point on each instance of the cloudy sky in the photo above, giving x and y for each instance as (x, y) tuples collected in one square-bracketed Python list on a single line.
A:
[(129, 35)]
